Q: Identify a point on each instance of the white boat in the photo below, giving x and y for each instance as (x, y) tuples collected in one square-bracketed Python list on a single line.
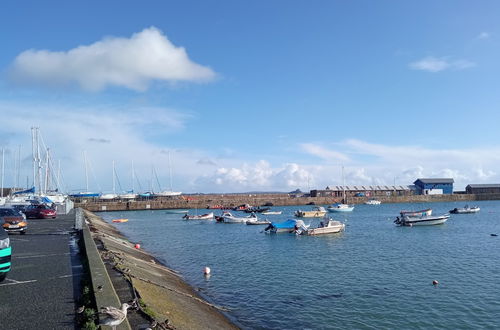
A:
[(416, 213), (339, 207), (317, 212), (176, 211), (466, 209), (128, 195), (108, 196), (271, 212), (257, 222), (327, 226), (424, 220), (206, 216), (228, 218), (168, 193), (373, 202)]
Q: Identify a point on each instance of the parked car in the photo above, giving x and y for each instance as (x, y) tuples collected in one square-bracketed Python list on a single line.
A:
[(13, 220), (40, 211), (5, 253)]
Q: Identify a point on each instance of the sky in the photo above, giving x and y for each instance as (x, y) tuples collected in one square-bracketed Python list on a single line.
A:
[(238, 96)]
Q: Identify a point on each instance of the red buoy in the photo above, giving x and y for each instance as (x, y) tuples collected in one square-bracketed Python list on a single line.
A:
[(137, 245)]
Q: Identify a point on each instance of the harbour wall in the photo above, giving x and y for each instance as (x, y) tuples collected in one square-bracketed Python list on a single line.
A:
[(205, 201)]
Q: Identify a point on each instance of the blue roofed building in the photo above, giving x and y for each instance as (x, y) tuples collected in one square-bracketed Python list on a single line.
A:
[(434, 186)]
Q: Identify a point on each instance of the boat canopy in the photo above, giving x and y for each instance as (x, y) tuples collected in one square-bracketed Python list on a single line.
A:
[(27, 191), (289, 224)]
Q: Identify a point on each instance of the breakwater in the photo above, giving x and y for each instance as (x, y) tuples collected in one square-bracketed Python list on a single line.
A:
[(205, 201)]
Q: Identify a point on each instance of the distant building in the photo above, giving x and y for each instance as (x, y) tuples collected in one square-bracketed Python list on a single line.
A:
[(483, 189), (362, 191), (434, 186)]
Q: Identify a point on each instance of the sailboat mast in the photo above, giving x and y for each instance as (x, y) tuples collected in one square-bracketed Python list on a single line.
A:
[(47, 172), (114, 173), (33, 154), (170, 170), (343, 186), (38, 161), (86, 172), (133, 176)]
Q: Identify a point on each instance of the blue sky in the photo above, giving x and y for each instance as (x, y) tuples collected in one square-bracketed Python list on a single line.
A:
[(260, 95)]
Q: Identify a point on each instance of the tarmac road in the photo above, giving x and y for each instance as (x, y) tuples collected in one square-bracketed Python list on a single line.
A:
[(41, 289)]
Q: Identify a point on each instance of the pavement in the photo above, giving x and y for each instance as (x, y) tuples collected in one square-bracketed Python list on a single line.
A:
[(41, 289)]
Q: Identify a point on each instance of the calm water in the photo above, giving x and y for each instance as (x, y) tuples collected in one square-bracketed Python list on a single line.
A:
[(373, 276)]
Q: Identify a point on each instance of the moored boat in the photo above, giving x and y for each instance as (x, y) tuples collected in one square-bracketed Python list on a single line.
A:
[(229, 218), (339, 207), (373, 202), (272, 212), (176, 211), (327, 226), (466, 209), (206, 216), (416, 213), (289, 226), (317, 212), (424, 220), (258, 222)]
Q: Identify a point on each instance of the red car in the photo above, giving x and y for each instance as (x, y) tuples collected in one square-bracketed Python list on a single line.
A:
[(40, 211)]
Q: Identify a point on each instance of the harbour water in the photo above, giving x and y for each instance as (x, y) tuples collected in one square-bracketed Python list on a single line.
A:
[(374, 275)]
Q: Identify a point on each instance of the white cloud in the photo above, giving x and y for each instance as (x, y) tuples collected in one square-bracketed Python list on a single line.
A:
[(435, 64), (323, 152), (125, 62), (484, 35)]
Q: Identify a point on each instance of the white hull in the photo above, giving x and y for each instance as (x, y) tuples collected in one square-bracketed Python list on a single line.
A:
[(208, 216), (340, 208), (128, 196), (168, 193), (108, 196), (271, 212), (423, 221), (465, 210), (332, 227), (176, 211), (231, 219)]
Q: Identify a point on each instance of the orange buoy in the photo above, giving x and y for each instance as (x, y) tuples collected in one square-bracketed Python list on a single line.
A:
[(435, 282), (137, 245), (206, 271)]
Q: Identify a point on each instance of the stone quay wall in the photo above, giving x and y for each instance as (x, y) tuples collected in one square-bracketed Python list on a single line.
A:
[(232, 200)]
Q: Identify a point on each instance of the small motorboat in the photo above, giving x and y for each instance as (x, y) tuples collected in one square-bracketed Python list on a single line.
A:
[(272, 212), (373, 202), (257, 209), (176, 211), (119, 220), (466, 209), (220, 218), (327, 226), (258, 222), (424, 220), (206, 216), (317, 212), (289, 226), (228, 218), (416, 213), (339, 207)]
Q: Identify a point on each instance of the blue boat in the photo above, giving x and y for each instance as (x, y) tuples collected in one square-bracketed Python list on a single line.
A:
[(85, 195), (289, 226)]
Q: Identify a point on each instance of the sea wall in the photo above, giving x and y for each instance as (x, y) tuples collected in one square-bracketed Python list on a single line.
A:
[(204, 201)]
